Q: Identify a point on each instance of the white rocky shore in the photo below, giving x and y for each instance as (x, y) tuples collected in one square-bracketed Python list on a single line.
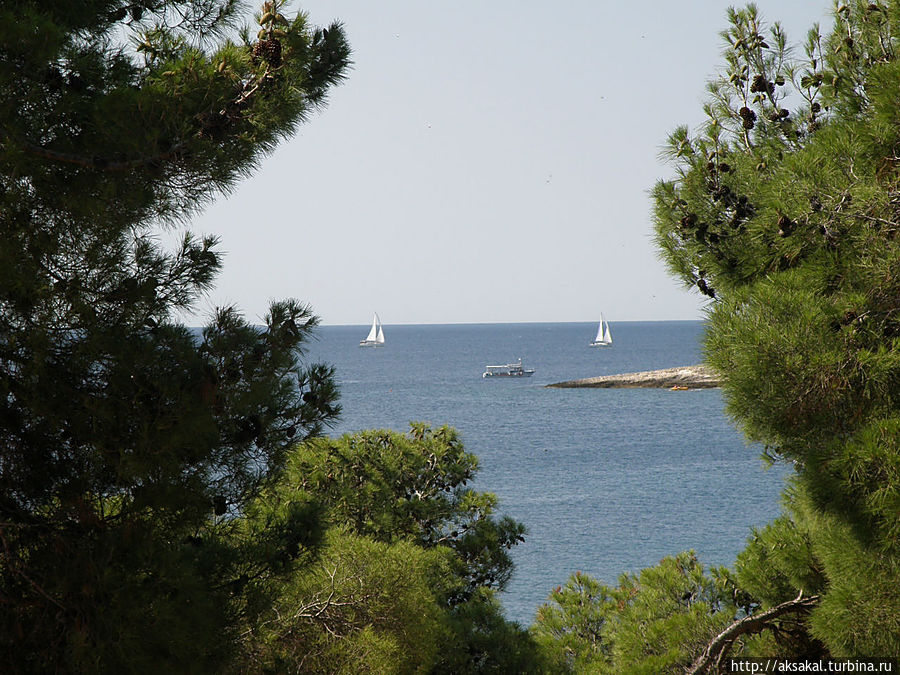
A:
[(685, 377)]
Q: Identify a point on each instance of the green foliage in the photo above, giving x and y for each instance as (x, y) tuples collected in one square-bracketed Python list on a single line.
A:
[(483, 641), (778, 560), (670, 613), (392, 486), (573, 626), (129, 442), (784, 212), (362, 607), (818, 553), (651, 623), (407, 578), (859, 614)]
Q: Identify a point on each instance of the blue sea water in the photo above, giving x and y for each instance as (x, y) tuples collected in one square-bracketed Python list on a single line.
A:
[(605, 480)]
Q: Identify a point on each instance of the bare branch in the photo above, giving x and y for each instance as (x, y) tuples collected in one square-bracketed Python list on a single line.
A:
[(756, 623)]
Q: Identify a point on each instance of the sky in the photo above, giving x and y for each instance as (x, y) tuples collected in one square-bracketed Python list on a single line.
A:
[(483, 162)]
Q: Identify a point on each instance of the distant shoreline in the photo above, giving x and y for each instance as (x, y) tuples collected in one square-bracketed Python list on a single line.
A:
[(684, 377)]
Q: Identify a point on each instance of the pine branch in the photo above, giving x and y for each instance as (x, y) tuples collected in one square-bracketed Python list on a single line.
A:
[(720, 645), (98, 162), (207, 123)]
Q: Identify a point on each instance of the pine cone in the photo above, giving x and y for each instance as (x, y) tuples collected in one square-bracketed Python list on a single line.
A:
[(785, 226), (272, 52), (269, 51), (760, 84)]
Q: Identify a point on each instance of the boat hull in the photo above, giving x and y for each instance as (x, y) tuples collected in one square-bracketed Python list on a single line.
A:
[(508, 370)]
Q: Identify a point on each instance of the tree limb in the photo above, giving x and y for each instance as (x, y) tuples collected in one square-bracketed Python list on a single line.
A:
[(755, 623), (203, 120)]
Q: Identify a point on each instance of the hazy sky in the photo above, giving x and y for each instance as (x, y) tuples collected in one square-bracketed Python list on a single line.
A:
[(484, 161)]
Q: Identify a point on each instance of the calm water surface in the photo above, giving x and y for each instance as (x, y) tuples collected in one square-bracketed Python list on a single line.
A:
[(605, 480)]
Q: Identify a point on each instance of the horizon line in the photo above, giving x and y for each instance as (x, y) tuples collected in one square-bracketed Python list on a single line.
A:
[(496, 323)]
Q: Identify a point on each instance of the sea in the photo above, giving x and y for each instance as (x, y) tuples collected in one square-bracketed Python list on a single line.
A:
[(606, 481)]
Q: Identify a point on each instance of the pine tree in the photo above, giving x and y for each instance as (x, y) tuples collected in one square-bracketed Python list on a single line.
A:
[(128, 441), (652, 623), (392, 486), (784, 212), (407, 579)]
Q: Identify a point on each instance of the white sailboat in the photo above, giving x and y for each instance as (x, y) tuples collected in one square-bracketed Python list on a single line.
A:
[(375, 338), (603, 339)]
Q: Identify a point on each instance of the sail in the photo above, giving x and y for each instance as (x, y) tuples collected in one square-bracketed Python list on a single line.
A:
[(604, 338), (380, 337), (373, 332), (600, 337)]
